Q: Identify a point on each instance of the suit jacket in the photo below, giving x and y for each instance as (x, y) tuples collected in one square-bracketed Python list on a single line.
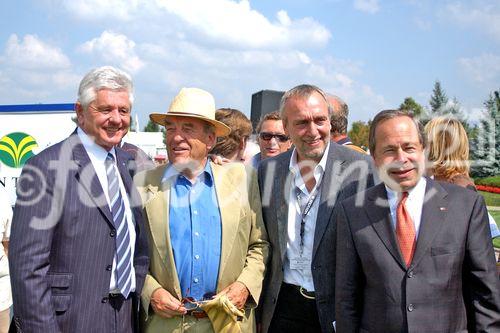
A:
[(343, 167), (244, 240), (140, 160), (452, 275), (63, 243)]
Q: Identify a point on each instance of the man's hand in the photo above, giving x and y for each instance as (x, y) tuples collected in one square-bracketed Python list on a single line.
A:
[(237, 293), (166, 305), (218, 159)]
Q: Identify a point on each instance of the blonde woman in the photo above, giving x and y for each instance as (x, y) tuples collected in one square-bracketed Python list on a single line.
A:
[(448, 155)]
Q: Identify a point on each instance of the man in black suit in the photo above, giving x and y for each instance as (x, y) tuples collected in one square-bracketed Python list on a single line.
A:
[(299, 190), (79, 250), (413, 254)]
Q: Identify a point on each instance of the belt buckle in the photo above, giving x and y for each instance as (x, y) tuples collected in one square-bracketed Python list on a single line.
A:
[(304, 294), (197, 313)]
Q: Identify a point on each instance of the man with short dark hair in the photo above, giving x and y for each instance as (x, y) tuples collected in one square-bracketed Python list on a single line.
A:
[(271, 137), (413, 254), (299, 190), (339, 122)]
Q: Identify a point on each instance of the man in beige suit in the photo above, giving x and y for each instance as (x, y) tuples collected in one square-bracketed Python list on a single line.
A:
[(207, 238)]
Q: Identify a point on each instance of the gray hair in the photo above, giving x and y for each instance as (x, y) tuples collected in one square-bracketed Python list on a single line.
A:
[(391, 114), (304, 91), (105, 77), (338, 119)]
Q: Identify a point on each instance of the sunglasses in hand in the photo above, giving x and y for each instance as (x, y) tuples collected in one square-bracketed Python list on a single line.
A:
[(266, 136), (191, 304)]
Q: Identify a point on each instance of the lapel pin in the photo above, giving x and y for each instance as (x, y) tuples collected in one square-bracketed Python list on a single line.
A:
[(443, 209)]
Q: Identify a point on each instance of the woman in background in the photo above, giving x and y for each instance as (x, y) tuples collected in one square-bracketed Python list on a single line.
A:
[(232, 147), (448, 152)]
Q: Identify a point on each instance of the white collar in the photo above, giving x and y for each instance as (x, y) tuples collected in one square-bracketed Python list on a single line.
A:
[(92, 148)]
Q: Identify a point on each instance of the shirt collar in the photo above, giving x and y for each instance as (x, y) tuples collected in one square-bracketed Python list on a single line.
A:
[(206, 175), (416, 192), (92, 148), (318, 170)]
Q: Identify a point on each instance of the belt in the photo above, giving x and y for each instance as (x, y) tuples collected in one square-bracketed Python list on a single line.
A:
[(197, 313), (302, 291)]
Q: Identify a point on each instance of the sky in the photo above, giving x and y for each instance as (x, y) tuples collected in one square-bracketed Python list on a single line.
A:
[(372, 53)]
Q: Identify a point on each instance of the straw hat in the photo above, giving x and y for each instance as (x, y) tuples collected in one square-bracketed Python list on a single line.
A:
[(193, 103)]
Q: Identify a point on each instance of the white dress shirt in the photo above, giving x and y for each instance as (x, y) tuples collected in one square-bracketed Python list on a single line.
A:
[(302, 276), (97, 155), (414, 203)]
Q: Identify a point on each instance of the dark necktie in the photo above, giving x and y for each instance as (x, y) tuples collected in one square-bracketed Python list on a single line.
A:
[(405, 231), (123, 268)]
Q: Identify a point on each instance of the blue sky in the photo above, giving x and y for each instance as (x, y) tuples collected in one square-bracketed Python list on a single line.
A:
[(373, 53)]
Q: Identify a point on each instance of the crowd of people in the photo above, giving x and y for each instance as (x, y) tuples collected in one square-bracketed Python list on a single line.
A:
[(312, 234)]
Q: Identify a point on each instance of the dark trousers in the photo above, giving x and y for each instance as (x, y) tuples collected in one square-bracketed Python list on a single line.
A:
[(294, 313)]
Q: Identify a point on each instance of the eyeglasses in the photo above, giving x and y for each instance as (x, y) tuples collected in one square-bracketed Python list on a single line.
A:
[(108, 110), (268, 136), (191, 304)]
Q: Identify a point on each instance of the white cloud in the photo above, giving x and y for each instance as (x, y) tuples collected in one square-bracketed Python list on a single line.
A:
[(483, 68), (423, 24), (223, 22), (483, 16), (116, 49), (33, 53), (368, 6), (98, 9)]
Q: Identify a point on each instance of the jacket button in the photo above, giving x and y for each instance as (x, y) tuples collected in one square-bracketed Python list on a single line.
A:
[(112, 233), (108, 268), (411, 307), (410, 274), (104, 300)]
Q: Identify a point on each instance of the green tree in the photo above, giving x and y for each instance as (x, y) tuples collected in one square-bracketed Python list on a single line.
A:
[(152, 127), (359, 133), (485, 146), (439, 100), (410, 104)]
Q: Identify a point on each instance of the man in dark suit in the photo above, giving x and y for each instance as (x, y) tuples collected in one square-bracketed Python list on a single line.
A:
[(299, 189), (413, 254), (79, 250)]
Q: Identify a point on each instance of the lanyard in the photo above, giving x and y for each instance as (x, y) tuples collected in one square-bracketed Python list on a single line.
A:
[(305, 211)]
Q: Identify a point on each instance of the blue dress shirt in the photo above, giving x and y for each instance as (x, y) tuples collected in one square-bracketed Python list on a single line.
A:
[(195, 232)]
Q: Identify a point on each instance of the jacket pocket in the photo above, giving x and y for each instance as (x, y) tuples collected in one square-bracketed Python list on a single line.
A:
[(60, 302), (60, 283)]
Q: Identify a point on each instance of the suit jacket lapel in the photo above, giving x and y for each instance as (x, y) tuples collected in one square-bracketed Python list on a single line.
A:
[(378, 211), (156, 206), (282, 183), (87, 177), (329, 190), (434, 212), (228, 198)]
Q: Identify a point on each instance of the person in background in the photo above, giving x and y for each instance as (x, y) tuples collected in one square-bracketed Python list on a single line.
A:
[(232, 147), (77, 232), (271, 137), (205, 225), (5, 293), (413, 254), (299, 190), (448, 153), (339, 122)]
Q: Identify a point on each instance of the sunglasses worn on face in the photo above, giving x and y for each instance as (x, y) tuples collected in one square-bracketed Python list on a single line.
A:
[(268, 136)]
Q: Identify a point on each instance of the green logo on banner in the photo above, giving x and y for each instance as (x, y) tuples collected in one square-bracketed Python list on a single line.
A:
[(16, 148)]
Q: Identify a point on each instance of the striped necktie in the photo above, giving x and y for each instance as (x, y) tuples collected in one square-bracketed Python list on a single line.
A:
[(123, 250), (405, 231)]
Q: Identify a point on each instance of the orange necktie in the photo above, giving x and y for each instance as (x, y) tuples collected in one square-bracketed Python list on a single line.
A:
[(405, 231)]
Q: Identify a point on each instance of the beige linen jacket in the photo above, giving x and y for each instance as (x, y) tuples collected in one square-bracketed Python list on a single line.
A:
[(245, 248)]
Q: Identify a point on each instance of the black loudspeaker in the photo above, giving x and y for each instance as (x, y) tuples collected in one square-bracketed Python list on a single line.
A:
[(263, 102)]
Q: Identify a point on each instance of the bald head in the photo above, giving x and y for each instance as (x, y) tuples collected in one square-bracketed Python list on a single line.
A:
[(339, 116)]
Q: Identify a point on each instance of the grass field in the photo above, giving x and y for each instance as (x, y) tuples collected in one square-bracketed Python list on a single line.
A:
[(492, 199)]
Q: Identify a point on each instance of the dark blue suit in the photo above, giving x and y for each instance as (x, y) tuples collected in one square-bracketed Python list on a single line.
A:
[(62, 244)]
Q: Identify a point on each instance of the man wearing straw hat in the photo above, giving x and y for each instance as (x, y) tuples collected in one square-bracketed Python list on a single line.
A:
[(208, 243)]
